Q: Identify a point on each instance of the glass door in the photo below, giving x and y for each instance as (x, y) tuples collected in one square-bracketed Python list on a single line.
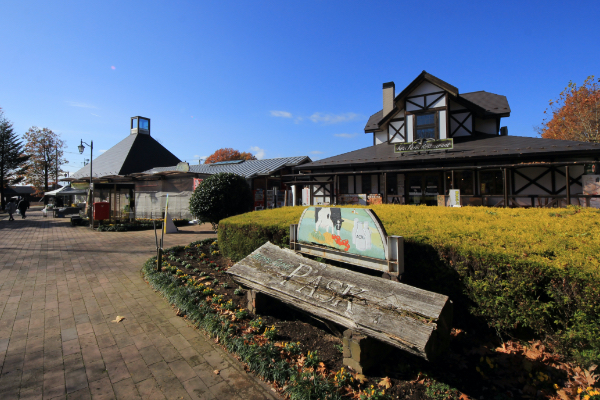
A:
[(423, 188), (432, 189), (415, 189)]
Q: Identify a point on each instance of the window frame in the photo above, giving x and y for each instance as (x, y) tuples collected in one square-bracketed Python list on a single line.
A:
[(435, 125)]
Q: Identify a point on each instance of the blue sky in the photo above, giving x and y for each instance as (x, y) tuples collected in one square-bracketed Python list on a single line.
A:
[(277, 78)]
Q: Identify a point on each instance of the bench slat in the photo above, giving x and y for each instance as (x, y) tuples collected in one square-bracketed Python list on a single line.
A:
[(413, 319)]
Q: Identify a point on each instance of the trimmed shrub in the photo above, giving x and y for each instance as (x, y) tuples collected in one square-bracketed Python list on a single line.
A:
[(533, 269), (220, 196)]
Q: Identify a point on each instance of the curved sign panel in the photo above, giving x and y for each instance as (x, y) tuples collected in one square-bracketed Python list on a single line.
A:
[(348, 230)]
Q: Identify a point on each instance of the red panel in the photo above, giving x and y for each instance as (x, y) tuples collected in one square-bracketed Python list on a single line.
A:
[(101, 211)]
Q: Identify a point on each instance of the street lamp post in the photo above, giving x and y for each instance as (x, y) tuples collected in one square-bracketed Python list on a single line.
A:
[(81, 148)]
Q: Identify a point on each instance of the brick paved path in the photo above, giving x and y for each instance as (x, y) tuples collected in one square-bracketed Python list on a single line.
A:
[(60, 288)]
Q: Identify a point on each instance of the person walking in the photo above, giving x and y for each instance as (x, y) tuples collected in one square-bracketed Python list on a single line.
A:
[(11, 207), (23, 206)]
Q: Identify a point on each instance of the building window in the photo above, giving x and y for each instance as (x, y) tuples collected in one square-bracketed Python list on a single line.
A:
[(366, 184), (491, 182), (463, 180), (343, 181), (425, 126), (392, 184)]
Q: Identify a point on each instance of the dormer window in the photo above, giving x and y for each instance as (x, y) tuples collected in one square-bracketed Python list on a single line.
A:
[(425, 126), (140, 125)]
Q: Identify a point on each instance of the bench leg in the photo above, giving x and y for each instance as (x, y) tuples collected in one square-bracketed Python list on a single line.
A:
[(360, 352), (258, 303)]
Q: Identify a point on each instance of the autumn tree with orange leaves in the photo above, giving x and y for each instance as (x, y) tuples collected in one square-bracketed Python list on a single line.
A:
[(45, 149), (575, 114), (228, 154)]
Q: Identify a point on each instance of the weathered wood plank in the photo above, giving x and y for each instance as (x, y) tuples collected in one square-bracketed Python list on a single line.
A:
[(413, 319)]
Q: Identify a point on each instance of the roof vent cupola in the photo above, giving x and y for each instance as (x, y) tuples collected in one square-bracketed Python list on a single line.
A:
[(140, 125)]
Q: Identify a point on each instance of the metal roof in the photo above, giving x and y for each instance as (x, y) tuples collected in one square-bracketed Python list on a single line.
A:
[(468, 149), (135, 153), (247, 169)]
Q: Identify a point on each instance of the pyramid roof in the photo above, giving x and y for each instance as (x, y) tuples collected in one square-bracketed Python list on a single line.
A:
[(136, 153)]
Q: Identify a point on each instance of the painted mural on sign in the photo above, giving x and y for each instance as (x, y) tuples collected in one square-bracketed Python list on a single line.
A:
[(351, 230)]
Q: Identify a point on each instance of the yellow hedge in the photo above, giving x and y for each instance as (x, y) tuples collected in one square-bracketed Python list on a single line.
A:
[(518, 268), (554, 237)]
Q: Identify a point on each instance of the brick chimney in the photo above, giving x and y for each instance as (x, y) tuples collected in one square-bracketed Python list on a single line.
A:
[(389, 90)]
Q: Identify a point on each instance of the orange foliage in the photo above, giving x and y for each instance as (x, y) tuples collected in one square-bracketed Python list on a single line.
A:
[(228, 154), (575, 114)]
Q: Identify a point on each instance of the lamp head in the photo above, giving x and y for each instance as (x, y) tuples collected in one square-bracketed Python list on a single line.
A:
[(81, 148)]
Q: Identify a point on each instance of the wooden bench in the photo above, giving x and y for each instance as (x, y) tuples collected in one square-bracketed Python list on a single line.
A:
[(403, 316)]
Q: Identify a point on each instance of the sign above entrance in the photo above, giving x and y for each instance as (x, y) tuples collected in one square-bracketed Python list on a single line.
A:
[(424, 145)]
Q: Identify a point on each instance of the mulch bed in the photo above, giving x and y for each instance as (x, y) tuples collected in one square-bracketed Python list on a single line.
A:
[(478, 364)]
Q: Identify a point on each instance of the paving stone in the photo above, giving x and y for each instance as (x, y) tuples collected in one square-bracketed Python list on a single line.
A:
[(179, 342), (138, 370), (126, 390), (61, 287), (198, 389), (149, 390), (95, 370), (101, 389), (76, 380), (169, 353), (182, 370), (150, 355), (117, 371)]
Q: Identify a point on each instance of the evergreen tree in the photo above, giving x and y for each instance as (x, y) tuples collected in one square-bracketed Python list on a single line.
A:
[(12, 160)]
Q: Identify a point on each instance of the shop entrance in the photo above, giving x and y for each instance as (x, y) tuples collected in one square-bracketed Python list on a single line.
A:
[(424, 188)]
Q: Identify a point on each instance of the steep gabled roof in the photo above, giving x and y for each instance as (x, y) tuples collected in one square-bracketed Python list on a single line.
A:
[(247, 169), (135, 153), (486, 103)]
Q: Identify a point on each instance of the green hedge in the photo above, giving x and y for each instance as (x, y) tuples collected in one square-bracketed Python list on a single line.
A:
[(520, 269)]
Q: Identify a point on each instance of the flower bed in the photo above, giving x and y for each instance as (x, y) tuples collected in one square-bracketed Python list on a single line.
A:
[(141, 224), (303, 361)]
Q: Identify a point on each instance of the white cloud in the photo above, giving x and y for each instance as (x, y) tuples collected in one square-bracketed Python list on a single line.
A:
[(95, 115), (80, 105), (333, 118), (345, 135), (316, 152), (282, 114), (258, 152), (102, 151)]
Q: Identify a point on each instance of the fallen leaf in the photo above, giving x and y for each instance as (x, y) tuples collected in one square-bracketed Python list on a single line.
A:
[(563, 395), (118, 319), (361, 378), (385, 382), (216, 372), (463, 397)]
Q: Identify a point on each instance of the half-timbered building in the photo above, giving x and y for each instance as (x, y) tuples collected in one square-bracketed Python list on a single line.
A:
[(429, 139)]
